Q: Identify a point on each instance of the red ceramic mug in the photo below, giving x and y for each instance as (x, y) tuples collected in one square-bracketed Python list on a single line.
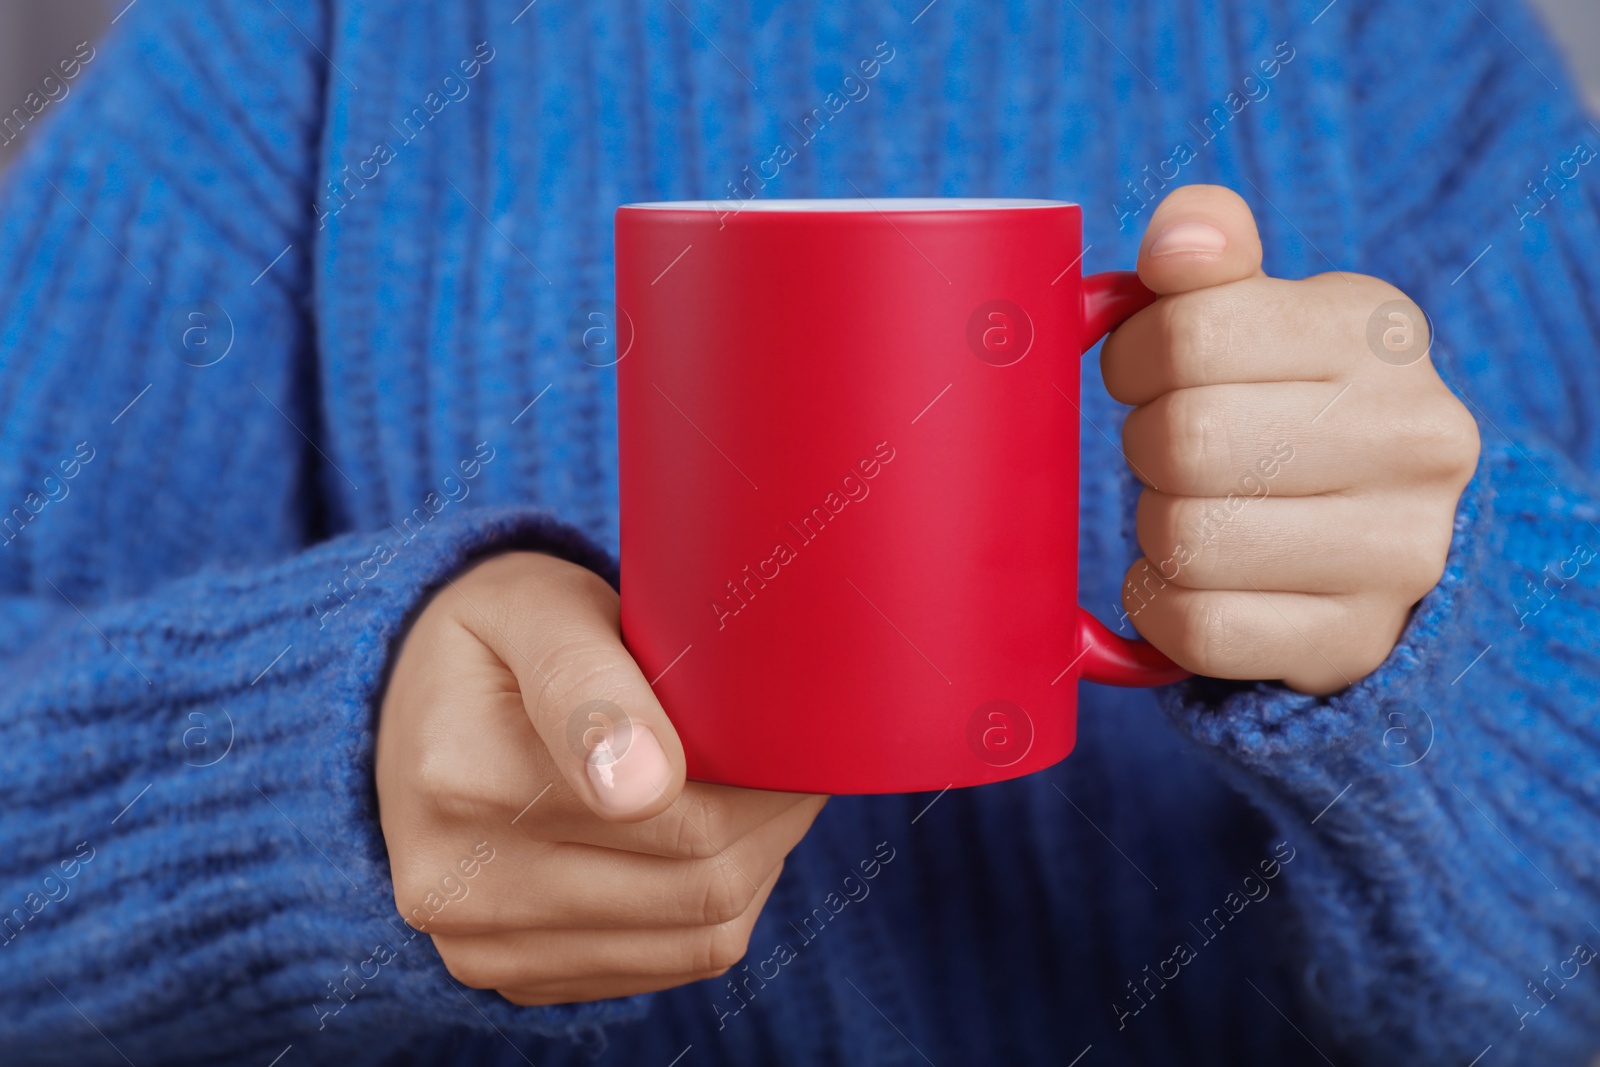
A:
[(848, 455)]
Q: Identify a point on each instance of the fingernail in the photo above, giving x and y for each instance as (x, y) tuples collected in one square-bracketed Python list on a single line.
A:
[(628, 769), (1189, 237)]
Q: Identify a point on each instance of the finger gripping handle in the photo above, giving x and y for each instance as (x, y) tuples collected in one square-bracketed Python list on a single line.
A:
[(1113, 660), (1109, 300)]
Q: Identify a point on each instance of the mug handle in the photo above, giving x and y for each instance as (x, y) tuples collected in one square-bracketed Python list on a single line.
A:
[(1109, 299)]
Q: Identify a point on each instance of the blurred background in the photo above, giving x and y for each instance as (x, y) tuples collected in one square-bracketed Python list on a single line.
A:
[(36, 34)]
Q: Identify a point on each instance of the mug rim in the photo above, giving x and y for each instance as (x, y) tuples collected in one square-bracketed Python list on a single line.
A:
[(853, 205)]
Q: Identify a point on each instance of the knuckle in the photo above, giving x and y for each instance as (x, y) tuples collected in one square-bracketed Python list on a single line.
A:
[(718, 949), (1116, 359), (670, 834), (1424, 548), (457, 805), (1164, 525), (714, 815), (448, 791), (1156, 524), (1191, 427), (586, 680), (508, 579), (1202, 526), (1460, 441), (1197, 329), (576, 662), (410, 890), (1210, 638), (581, 581), (434, 773), (1358, 299), (417, 898), (676, 837), (1361, 292), (1142, 587), (724, 893), (468, 968), (1442, 440), (700, 828), (1366, 288), (1181, 321)]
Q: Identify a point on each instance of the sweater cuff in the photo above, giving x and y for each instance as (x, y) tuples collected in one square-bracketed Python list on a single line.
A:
[(1436, 800), (220, 739), (1273, 732), (414, 983)]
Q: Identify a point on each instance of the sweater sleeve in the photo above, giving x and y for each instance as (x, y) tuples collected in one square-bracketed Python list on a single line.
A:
[(1447, 807), (191, 860), (191, 865)]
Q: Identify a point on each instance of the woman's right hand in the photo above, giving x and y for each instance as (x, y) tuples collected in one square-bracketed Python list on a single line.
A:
[(533, 799)]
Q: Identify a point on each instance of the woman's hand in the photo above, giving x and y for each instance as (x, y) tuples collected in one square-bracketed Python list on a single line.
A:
[(533, 799), (1301, 457)]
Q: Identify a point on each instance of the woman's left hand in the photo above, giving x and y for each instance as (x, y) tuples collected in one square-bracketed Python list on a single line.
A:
[(1302, 459)]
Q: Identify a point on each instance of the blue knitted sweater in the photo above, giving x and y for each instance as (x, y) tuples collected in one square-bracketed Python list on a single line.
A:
[(270, 272)]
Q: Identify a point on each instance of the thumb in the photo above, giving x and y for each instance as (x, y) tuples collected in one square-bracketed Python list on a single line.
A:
[(556, 626), (1200, 236)]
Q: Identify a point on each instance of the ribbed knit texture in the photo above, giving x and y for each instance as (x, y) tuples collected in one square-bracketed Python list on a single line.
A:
[(183, 700)]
